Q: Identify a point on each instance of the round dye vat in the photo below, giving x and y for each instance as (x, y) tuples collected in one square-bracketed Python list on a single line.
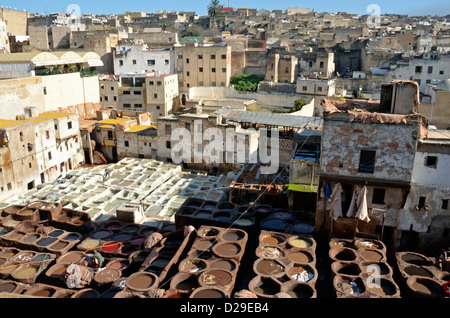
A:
[(77, 221), (208, 232), (89, 243), (26, 272), (302, 228), (87, 294), (269, 267), (188, 283), (418, 271), (227, 249), (272, 239), (59, 271), (270, 252), (208, 293), (371, 255), (416, 259), (110, 247), (26, 212), (40, 258), (301, 291), (203, 244), (119, 264), (129, 249), (203, 214), (243, 222), (7, 287), (216, 277), (300, 257), (382, 288), (300, 243), (266, 286), (193, 266), (46, 241), (15, 236), (107, 275), (71, 257), (224, 264), (63, 218), (122, 237), (101, 235), (31, 238), (56, 233), (24, 256), (71, 237), (43, 293), (141, 281), (60, 245), (222, 216), (274, 224), (232, 236)]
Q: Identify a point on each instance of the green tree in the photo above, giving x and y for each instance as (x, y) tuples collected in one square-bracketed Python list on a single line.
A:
[(298, 105), (214, 9)]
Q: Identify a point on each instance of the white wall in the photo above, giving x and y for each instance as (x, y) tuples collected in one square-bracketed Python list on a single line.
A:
[(141, 57)]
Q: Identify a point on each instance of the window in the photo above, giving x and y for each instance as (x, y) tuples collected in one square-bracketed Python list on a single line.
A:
[(213, 70), (112, 88), (166, 62), (137, 93), (180, 56), (151, 83), (224, 56), (444, 205), (200, 69), (126, 92), (187, 126), (158, 107), (213, 84), (110, 135), (287, 70), (138, 105), (430, 69), (319, 89), (224, 70), (121, 62), (47, 134), (115, 98), (134, 62), (168, 144), (126, 105), (222, 83), (213, 56), (378, 196), (69, 125), (45, 90), (418, 69), (200, 56), (305, 88), (9, 186), (431, 161), (127, 143), (106, 98), (168, 129), (322, 64), (367, 161), (421, 204), (200, 83), (159, 83), (155, 95), (187, 61), (151, 62), (188, 73), (50, 155), (441, 72)]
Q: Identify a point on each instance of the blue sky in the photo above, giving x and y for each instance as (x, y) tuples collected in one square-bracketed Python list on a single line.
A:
[(410, 7)]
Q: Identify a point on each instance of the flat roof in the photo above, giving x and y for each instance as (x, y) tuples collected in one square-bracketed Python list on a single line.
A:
[(139, 128), (6, 123), (271, 119), (114, 121), (54, 115)]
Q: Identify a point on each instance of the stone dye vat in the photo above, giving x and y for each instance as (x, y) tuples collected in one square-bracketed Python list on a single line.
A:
[(419, 275), (284, 262), (212, 263), (359, 269)]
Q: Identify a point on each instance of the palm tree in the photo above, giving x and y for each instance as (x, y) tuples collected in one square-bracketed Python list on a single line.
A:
[(214, 9)]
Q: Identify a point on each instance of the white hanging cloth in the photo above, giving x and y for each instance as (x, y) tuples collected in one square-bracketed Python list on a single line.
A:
[(336, 202), (363, 213)]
